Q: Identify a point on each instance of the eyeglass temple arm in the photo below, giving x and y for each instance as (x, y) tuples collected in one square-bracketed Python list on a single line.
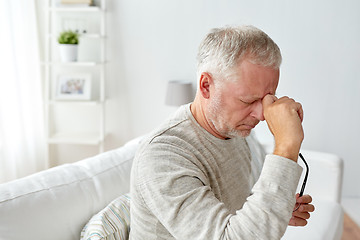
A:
[(306, 175)]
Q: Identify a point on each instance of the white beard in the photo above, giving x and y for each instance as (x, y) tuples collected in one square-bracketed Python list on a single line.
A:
[(220, 124)]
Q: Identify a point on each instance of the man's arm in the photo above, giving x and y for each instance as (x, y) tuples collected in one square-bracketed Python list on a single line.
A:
[(284, 117), (177, 192)]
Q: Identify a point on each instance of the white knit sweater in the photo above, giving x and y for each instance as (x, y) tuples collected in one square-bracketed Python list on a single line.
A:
[(188, 184)]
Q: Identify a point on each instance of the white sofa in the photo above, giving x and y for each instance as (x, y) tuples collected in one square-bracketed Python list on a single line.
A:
[(57, 203)]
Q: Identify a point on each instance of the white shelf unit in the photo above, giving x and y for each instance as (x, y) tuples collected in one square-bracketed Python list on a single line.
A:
[(90, 128)]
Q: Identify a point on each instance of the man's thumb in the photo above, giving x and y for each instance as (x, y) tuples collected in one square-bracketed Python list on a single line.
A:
[(268, 100)]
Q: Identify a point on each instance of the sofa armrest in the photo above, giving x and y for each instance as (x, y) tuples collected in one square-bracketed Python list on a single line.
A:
[(326, 223), (324, 184), (325, 174), (57, 203)]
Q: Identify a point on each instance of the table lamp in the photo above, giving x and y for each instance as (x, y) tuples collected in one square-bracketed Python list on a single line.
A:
[(178, 93)]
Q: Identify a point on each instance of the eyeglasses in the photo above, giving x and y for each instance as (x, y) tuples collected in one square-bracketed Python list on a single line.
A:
[(305, 180)]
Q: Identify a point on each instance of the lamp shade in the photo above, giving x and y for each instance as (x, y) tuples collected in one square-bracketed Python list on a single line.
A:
[(178, 93)]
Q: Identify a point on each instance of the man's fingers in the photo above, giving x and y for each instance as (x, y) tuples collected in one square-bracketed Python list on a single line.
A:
[(296, 106), (301, 114), (303, 199), (306, 208), (268, 99), (303, 215), (295, 221), (303, 212)]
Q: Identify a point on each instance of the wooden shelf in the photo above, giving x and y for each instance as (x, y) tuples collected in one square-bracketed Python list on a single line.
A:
[(76, 9), (79, 103), (82, 35), (91, 35), (75, 64), (75, 138), (59, 129)]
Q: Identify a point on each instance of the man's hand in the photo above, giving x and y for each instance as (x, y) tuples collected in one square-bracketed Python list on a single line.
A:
[(284, 118), (302, 213)]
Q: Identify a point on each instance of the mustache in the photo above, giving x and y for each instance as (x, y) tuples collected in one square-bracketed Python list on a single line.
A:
[(252, 123)]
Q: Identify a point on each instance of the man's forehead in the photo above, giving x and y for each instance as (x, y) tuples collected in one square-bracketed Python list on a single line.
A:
[(251, 89)]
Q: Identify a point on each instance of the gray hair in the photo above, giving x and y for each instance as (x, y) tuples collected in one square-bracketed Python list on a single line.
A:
[(223, 48)]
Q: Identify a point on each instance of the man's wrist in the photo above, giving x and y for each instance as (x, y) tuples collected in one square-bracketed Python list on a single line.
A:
[(290, 152)]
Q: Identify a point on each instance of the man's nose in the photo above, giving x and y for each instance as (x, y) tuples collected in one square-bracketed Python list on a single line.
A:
[(257, 111)]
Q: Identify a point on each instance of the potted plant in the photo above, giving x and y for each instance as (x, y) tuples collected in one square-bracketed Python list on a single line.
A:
[(68, 42)]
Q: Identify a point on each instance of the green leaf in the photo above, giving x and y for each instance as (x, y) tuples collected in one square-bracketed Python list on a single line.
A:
[(68, 37)]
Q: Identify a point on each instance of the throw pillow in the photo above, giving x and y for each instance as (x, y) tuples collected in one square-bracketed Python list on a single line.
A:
[(111, 223)]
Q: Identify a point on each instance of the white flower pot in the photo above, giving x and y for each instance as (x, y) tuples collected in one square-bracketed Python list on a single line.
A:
[(68, 52)]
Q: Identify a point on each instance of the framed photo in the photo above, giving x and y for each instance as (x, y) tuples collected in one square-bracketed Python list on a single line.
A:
[(73, 87)]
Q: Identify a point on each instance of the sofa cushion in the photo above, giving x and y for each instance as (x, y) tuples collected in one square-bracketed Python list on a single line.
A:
[(56, 204), (325, 223), (111, 223)]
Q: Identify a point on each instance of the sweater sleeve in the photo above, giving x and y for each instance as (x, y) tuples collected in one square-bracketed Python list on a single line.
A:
[(266, 213), (176, 190)]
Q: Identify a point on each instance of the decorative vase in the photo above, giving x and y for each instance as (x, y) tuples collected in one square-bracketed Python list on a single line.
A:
[(68, 52)]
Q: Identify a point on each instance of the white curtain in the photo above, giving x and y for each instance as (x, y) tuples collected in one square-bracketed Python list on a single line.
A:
[(22, 138)]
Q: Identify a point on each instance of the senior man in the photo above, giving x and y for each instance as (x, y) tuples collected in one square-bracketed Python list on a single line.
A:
[(191, 177)]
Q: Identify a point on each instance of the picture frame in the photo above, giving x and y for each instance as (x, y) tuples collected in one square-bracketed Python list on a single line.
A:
[(73, 87)]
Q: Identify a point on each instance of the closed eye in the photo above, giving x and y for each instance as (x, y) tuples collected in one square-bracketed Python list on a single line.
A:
[(247, 103)]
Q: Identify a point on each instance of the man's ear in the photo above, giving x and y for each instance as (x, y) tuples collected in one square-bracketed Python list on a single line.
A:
[(206, 81)]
